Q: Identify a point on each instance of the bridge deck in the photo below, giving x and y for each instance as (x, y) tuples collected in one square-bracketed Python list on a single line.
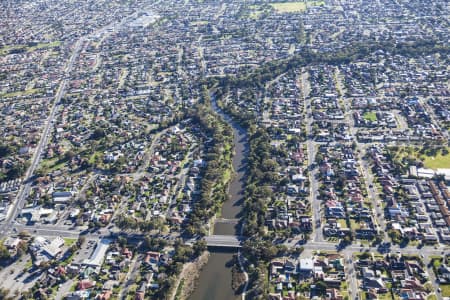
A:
[(227, 221), (227, 241)]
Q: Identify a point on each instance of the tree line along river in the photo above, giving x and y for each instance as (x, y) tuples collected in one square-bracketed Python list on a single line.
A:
[(215, 278)]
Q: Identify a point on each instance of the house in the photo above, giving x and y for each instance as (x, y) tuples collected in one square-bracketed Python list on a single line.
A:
[(85, 284), (12, 244)]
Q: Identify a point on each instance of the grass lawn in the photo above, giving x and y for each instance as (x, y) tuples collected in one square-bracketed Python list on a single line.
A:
[(226, 176), (431, 159), (53, 164), (370, 116), (69, 242), (45, 45), (344, 289), (343, 223), (97, 155), (288, 7), (29, 264), (5, 50), (21, 93), (438, 161), (354, 225), (386, 296), (445, 290)]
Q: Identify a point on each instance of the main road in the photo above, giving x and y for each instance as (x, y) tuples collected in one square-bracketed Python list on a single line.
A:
[(25, 188)]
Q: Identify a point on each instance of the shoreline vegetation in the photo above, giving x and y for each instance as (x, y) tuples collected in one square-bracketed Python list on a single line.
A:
[(188, 278), (214, 188), (219, 156)]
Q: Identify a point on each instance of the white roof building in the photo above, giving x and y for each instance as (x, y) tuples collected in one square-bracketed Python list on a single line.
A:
[(306, 265), (98, 256)]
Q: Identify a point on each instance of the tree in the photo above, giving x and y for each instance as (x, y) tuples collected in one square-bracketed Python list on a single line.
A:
[(4, 253), (22, 248), (5, 150), (81, 240), (4, 293), (395, 235), (16, 171), (69, 155), (321, 287), (42, 171), (98, 134), (199, 246)]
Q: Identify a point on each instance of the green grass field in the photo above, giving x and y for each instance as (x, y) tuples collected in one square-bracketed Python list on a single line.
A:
[(69, 242), (437, 162), (343, 223), (21, 93), (445, 290), (52, 164), (370, 116), (290, 7), (5, 50)]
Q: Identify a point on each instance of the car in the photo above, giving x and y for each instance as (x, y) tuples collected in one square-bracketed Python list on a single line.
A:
[(439, 290)]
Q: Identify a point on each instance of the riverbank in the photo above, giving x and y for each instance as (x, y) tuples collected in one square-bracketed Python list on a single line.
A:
[(188, 278), (216, 280)]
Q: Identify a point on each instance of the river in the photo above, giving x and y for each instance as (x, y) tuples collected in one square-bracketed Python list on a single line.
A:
[(215, 277)]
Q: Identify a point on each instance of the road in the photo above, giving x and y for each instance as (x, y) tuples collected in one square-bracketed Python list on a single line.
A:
[(311, 149), (49, 230), (65, 231), (26, 187), (133, 271), (377, 211), (353, 288), (433, 279), (373, 194)]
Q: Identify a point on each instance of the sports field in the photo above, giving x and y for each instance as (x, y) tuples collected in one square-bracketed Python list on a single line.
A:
[(287, 7)]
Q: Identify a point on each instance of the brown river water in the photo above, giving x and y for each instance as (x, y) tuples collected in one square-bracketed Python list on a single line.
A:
[(215, 278)]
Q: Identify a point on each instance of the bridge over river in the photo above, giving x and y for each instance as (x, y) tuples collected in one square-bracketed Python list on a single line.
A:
[(224, 241)]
